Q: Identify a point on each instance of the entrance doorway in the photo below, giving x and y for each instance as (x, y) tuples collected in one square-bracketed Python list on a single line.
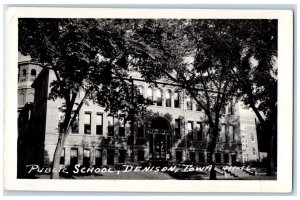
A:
[(160, 139)]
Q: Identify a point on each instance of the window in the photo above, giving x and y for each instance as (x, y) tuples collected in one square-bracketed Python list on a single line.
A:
[(141, 95), (179, 156), (226, 158), (177, 128), (30, 97), (122, 156), (168, 98), (231, 108), (245, 157), (86, 157), (177, 99), (98, 157), (141, 90), (231, 133), (192, 157), (74, 126), (32, 74), (150, 94), (21, 99), (121, 127), (99, 124), (199, 131), (23, 75), (158, 97), (201, 157), (244, 143), (110, 157), (141, 154), (218, 157), (190, 126), (223, 133), (243, 130), (189, 104), (233, 158), (254, 151), (190, 129), (252, 137), (62, 157), (223, 128), (140, 130), (87, 123), (208, 157), (110, 126), (74, 156)]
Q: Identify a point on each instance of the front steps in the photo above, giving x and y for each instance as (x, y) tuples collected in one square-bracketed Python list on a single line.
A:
[(235, 172)]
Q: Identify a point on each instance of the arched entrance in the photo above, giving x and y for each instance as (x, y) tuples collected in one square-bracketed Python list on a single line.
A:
[(160, 139)]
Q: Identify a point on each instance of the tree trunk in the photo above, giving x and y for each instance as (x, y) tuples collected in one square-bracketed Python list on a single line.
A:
[(68, 122), (211, 150), (269, 127), (64, 134), (270, 156), (56, 157), (132, 120), (132, 135), (212, 174)]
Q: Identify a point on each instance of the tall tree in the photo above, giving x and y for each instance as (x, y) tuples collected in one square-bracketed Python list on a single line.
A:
[(214, 61), (86, 55), (197, 59), (256, 77)]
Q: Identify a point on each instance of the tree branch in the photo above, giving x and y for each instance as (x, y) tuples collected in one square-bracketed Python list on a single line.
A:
[(68, 129), (249, 93)]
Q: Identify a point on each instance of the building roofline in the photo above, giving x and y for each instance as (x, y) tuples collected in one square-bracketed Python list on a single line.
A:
[(29, 62)]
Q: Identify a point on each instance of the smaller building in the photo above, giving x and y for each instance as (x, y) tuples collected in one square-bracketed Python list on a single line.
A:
[(28, 71), (248, 135)]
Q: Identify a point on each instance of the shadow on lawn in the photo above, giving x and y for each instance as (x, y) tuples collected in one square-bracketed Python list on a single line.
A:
[(188, 175)]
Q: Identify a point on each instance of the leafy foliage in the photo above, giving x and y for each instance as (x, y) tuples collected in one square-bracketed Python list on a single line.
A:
[(213, 60), (88, 56)]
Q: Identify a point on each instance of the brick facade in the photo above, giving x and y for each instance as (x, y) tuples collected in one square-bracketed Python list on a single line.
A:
[(184, 140)]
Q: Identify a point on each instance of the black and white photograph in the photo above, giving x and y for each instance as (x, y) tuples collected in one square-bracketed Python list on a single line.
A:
[(148, 98)]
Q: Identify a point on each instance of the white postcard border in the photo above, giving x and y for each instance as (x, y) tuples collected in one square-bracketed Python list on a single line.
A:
[(285, 104)]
